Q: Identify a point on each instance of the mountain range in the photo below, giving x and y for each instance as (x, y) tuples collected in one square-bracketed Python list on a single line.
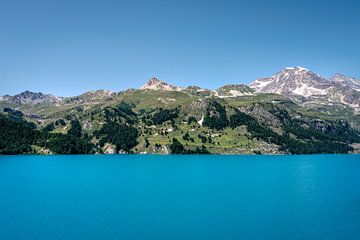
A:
[(297, 83), (292, 111)]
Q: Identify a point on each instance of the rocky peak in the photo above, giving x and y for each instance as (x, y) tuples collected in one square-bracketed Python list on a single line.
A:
[(154, 81), (32, 98), (346, 81), (293, 80), (156, 84), (306, 87)]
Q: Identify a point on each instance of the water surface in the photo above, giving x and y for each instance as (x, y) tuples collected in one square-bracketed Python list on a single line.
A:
[(180, 197)]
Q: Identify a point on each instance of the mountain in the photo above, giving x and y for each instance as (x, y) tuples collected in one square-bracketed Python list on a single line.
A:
[(346, 81), (308, 88), (295, 111), (293, 81), (97, 96), (156, 84), (141, 121), (198, 91), (31, 98), (234, 91)]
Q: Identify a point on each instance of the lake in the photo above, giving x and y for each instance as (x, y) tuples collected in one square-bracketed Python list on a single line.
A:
[(179, 197)]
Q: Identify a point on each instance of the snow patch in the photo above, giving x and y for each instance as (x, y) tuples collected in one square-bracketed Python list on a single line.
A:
[(307, 91), (201, 120), (259, 84)]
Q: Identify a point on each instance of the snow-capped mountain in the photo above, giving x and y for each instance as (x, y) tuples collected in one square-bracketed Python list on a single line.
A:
[(305, 86), (299, 84), (32, 98), (156, 84), (346, 81), (297, 80)]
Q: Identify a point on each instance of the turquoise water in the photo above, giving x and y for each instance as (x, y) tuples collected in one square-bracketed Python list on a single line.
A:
[(180, 197)]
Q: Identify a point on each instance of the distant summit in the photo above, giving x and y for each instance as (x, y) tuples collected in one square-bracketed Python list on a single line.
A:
[(299, 84), (234, 90), (32, 98), (304, 86), (292, 80), (156, 84), (346, 81)]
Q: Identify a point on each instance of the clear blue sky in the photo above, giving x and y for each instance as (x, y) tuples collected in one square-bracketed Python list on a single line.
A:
[(67, 47)]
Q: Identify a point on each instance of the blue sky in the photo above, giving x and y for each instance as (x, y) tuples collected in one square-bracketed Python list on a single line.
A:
[(67, 47)]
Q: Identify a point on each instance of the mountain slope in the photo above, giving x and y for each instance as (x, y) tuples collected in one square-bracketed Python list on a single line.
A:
[(346, 81), (293, 81), (304, 86), (31, 98), (294, 111), (234, 91)]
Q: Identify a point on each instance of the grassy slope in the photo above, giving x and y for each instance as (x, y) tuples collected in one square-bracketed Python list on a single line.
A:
[(225, 141)]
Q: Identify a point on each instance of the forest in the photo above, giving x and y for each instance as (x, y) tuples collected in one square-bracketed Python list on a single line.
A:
[(18, 137)]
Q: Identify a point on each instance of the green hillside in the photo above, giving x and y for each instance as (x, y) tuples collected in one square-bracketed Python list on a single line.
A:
[(162, 122)]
